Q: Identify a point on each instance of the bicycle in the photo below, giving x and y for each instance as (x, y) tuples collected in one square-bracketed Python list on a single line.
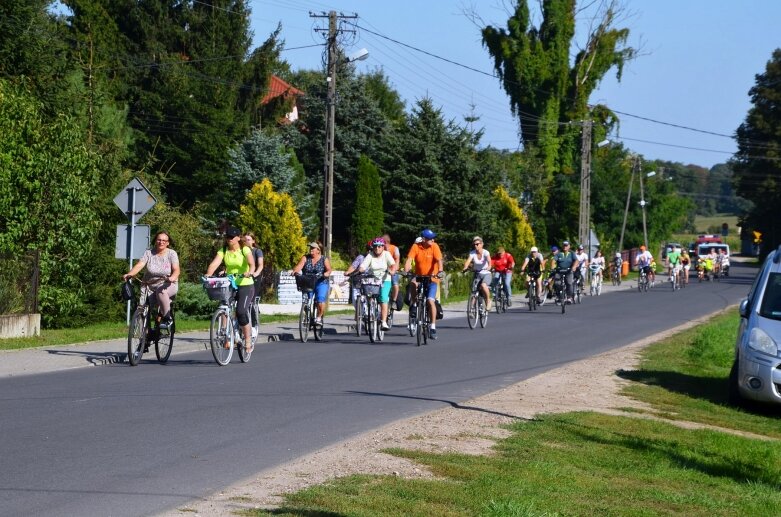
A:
[(359, 302), (225, 333), (531, 288), (595, 280), (372, 316), (419, 318), (642, 281), (500, 294), (578, 288), (560, 288), (145, 329), (307, 317), (476, 305), (615, 275), (677, 273)]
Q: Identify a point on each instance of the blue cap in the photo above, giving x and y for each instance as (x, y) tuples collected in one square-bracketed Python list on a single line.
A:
[(554, 248), (428, 234)]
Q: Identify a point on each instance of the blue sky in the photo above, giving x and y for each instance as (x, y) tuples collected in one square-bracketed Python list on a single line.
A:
[(698, 61)]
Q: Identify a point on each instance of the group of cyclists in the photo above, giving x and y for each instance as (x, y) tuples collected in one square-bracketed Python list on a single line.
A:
[(679, 262), (243, 261)]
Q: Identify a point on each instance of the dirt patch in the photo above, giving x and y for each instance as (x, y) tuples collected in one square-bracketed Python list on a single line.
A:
[(587, 385)]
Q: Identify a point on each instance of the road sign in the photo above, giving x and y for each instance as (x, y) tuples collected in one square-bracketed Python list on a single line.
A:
[(135, 195), (140, 241)]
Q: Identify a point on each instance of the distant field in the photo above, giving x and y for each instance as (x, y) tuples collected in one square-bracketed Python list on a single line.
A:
[(702, 223)]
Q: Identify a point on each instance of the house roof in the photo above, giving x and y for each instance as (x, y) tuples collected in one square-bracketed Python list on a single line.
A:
[(279, 88)]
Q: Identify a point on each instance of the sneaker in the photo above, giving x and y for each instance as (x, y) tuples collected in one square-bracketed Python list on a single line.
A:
[(254, 332), (433, 334), (526, 295), (488, 305), (166, 322), (539, 300), (509, 302), (384, 326), (319, 321)]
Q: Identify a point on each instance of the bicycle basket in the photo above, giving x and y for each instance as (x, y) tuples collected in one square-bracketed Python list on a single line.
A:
[(306, 283), (371, 286), (127, 291), (218, 289)]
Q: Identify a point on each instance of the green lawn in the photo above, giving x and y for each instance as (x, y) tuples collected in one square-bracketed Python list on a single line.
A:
[(594, 464)]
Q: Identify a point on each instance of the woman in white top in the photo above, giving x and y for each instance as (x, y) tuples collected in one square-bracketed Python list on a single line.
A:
[(480, 260), (162, 273), (381, 265)]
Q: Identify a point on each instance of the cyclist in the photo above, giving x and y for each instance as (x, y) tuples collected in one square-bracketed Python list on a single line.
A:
[(643, 261), (553, 251), (381, 264), (249, 240), (583, 262), (567, 263), (673, 261), (503, 264), (396, 254), (618, 262), (480, 260), (316, 264), (428, 261), (534, 265), (598, 265), (723, 261), (240, 262), (162, 273), (686, 262)]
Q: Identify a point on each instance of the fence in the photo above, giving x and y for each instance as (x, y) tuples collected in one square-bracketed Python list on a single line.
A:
[(19, 282)]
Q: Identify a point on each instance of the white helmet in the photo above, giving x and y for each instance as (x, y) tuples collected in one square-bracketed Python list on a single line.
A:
[(618, 254), (534, 248)]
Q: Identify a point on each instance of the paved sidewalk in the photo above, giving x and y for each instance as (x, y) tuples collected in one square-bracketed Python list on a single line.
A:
[(29, 361)]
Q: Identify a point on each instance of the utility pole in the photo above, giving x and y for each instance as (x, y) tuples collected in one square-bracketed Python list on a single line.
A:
[(584, 230), (330, 124), (642, 205), (635, 161)]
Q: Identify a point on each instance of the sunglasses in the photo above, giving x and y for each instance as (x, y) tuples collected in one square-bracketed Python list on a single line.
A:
[(161, 240)]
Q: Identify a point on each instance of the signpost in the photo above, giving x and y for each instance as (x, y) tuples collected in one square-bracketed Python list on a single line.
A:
[(134, 200)]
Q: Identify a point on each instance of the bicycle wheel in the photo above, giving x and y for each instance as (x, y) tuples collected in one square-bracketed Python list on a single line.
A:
[(599, 286), (165, 343), (498, 300), (471, 311), (421, 329), (482, 311), (317, 328), (378, 323), (390, 315), (136, 337), (245, 350), (532, 290), (372, 320), (412, 321), (221, 337), (358, 316), (304, 322)]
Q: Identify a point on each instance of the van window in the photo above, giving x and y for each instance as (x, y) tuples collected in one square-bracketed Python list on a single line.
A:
[(771, 301)]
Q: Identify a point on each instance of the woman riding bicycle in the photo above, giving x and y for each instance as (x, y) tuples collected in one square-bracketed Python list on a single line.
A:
[(480, 260), (534, 265), (598, 265), (240, 262), (317, 265), (161, 275), (248, 239), (382, 266)]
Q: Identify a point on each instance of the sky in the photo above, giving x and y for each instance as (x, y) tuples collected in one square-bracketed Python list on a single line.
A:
[(698, 59)]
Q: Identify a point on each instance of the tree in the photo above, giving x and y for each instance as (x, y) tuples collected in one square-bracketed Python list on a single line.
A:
[(368, 218), (515, 233), (263, 155), (756, 164), (273, 218), (49, 199)]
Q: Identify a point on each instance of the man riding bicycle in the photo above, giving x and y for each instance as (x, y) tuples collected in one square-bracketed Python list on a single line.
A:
[(503, 264), (566, 264), (643, 262), (428, 261), (673, 262), (533, 265)]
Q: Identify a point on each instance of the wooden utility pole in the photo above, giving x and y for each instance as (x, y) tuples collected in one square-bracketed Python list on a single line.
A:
[(635, 162), (584, 230)]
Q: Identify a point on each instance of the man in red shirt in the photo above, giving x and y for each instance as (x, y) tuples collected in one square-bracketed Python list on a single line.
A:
[(503, 264)]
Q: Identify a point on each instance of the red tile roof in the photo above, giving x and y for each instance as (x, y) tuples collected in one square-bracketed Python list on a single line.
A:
[(277, 87)]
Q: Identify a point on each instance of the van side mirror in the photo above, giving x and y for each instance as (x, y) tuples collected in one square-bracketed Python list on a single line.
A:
[(743, 308)]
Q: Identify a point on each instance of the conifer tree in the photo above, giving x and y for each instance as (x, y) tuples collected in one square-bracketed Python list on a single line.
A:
[(368, 218)]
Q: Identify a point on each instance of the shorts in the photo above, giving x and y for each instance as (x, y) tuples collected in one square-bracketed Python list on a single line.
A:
[(484, 276), (321, 290), (385, 291), (395, 279), (432, 291)]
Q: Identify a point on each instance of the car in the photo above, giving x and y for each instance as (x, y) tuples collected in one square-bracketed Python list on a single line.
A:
[(756, 369)]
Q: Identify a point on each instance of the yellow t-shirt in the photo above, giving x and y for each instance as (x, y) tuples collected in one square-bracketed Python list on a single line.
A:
[(237, 263)]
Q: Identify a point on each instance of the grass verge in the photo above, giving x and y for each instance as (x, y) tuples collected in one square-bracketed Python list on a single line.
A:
[(586, 463)]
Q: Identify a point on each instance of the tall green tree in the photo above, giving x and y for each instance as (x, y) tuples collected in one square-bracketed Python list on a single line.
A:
[(756, 164), (368, 218)]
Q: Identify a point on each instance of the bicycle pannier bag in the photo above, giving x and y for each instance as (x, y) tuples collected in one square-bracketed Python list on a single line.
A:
[(127, 291), (399, 303), (440, 314), (408, 294)]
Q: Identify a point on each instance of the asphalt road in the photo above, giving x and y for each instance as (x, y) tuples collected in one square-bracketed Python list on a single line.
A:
[(114, 440)]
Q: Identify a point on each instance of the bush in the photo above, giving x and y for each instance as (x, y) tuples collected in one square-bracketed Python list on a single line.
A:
[(192, 302)]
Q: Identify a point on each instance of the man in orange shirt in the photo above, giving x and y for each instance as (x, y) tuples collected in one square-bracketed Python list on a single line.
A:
[(428, 261)]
